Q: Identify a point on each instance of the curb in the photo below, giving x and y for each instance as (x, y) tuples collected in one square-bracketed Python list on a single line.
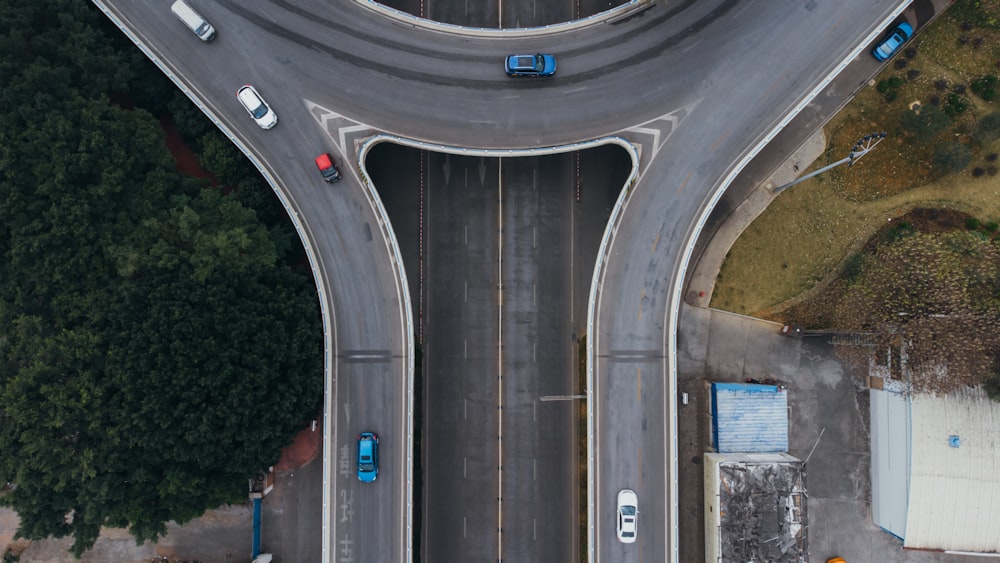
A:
[(702, 283)]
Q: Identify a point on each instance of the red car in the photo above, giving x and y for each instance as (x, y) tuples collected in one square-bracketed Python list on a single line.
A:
[(328, 168)]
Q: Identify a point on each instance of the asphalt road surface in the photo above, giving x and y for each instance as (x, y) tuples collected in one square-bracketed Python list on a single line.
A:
[(695, 85), (554, 210)]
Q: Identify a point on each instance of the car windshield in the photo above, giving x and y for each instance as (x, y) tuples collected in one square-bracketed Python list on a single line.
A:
[(260, 111), (628, 510)]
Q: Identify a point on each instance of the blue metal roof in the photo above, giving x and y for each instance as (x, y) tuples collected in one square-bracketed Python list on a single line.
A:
[(749, 418)]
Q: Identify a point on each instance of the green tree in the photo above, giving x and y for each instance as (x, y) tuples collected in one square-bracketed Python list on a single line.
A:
[(222, 159), (155, 346), (190, 121)]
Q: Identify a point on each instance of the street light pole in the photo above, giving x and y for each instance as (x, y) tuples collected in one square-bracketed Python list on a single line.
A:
[(860, 148)]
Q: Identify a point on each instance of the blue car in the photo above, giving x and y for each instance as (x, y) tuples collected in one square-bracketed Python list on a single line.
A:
[(530, 65), (367, 457), (887, 48)]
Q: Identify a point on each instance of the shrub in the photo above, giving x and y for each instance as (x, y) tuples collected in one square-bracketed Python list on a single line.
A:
[(991, 226), (952, 156), (963, 40), (985, 87), (891, 95), (988, 130), (992, 386), (955, 104), (900, 63), (992, 157), (912, 74), (971, 223), (853, 267), (959, 89), (926, 124), (910, 52), (978, 171), (883, 86), (899, 231), (991, 170), (941, 84), (895, 82), (935, 99), (977, 42)]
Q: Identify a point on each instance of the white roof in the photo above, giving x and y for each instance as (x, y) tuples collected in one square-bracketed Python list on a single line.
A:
[(890, 461), (954, 500)]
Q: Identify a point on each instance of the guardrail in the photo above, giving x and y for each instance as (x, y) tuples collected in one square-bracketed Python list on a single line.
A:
[(614, 14), (612, 227), (293, 214), (689, 244), (614, 221), (389, 236)]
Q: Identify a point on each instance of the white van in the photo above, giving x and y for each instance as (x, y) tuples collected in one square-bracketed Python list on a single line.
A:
[(193, 20)]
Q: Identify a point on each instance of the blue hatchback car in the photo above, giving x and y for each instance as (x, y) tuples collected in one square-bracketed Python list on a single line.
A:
[(530, 65), (367, 457), (887, 48)]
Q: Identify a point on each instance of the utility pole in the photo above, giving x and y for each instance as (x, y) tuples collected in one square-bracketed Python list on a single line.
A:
[(860, 148)]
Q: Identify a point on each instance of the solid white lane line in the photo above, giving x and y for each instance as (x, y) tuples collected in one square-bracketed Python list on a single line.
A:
[(500, 359)]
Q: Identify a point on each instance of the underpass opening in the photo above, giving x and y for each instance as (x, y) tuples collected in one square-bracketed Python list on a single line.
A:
[(498, 14), (499, 255)]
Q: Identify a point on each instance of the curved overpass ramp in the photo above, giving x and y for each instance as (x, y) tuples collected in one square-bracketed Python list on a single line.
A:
[(697, 87)]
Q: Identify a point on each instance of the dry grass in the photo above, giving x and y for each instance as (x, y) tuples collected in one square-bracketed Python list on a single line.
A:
[(796, 246), (798, 243)]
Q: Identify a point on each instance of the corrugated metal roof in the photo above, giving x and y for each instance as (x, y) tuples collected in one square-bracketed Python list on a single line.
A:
[(749, 418), (890, 444), (954, 501), (760, 509)]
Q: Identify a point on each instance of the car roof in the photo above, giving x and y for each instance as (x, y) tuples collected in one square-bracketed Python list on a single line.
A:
[(323, 161), (249, 97)]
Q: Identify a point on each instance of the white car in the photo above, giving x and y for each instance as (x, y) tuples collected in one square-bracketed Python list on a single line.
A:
[(628, 511), (256, 107)]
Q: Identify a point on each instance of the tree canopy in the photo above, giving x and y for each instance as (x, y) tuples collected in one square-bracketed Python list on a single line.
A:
[(158, 343)]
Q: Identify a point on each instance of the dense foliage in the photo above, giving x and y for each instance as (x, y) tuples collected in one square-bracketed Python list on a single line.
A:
[(157, 343), (936, 297)]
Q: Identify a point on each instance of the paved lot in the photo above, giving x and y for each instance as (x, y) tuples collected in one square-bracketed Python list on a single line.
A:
[(220, 536), (828, 411), (829, 417)]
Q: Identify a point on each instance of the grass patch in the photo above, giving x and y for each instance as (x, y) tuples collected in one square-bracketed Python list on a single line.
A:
[(810, 235)]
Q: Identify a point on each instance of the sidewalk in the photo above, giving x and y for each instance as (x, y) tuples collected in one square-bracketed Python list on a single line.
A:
[(803, 140), (219, 536), (702, 279)]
